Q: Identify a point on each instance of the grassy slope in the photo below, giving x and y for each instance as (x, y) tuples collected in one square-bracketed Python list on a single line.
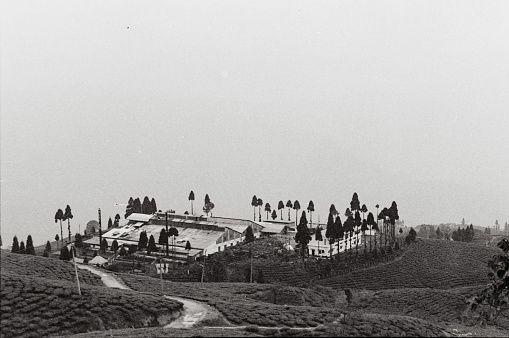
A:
[(427, 264), (49, 268), (40, 298)]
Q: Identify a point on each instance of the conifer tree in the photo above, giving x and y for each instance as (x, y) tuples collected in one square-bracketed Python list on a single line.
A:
[(110, 223), (303, 235), (355, 205), (78, 241), (136, 209), (47, 249), (30, 250), (281, 206), (296, 206), (15, 245), (129, 208), (162, 237), (64, 253), (104, 245), (117, 221), (340, 234), (267, 210), (311, 209), (143, 240), (146, 207), (289, 205), (114, 246), (153, 206), (318, 238), (191, 198), (254, 204), (274, 214), (330, 232), (358, 223), (371, 222), (59, 216), (22, 249), (259, 203), (364, 227), (152, 244), (249, 235), (68, 216)]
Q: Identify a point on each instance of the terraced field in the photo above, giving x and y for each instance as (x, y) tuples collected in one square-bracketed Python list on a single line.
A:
[(427, 264), (38, 307), (50, 268), (435, 305)]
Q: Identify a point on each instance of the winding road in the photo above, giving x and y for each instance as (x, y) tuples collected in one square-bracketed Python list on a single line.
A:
[(193, 312)]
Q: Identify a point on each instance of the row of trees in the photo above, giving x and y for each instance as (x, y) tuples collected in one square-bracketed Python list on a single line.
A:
[(19, 247), (353, 225), (258, 202), (64, 216), (148, 206), (207, 206), (464, 234)]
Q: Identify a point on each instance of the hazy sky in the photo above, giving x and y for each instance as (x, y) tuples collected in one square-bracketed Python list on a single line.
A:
[(394, 100)]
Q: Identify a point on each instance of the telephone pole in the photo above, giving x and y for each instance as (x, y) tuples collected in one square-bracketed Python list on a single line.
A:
[(167, 237), (100, 230)]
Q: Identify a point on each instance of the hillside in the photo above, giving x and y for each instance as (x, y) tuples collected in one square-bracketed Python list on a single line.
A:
[(426, 264), (49, 268), (40, 298)]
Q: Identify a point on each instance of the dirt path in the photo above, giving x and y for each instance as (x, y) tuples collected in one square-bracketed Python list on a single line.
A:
[(193, 313)]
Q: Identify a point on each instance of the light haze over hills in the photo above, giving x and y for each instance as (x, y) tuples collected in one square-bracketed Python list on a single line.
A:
[(394, 100)]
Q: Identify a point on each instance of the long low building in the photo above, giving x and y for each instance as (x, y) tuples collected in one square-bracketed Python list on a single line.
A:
[(206, 235)]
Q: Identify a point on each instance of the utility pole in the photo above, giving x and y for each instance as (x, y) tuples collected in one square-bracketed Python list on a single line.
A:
[(100, 230), (166, 239), (75, 270), (203, 266)]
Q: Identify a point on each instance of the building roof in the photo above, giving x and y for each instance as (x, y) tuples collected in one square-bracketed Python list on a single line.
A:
[(273, 228), (139, 217), (98, 260)]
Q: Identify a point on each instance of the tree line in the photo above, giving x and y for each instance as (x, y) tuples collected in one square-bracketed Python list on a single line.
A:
[(353, 225)]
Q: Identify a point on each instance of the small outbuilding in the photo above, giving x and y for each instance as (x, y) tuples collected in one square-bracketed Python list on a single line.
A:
[(98, 260)]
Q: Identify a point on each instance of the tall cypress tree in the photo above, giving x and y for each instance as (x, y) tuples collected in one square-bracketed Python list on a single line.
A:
[(318, 238), (30, 250), (68, 216), (22, 249), (296, 206), (136, 209), (47, 249), (146, 207), (110, 223), (303, 235), (281, 206), (15, 245), (64, 253), (59, 216), (129, 207), (289, 205), (330, 232), (152, 244), (249, 235), (338, 226), (153, 206), (143, 240), (162, 237)]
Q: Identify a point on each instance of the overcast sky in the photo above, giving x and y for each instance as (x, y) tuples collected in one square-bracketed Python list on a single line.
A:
[(394, 100)]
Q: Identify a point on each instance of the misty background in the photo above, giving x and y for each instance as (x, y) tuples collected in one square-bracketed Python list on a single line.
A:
[(395, 100)]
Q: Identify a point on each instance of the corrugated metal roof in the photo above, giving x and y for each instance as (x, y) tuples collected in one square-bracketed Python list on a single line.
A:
[(139, 217)]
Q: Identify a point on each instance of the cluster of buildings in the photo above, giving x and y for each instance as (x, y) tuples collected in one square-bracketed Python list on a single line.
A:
[(208, 235)]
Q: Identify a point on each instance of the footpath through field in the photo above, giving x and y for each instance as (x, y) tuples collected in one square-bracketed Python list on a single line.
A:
[(193, 313)]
